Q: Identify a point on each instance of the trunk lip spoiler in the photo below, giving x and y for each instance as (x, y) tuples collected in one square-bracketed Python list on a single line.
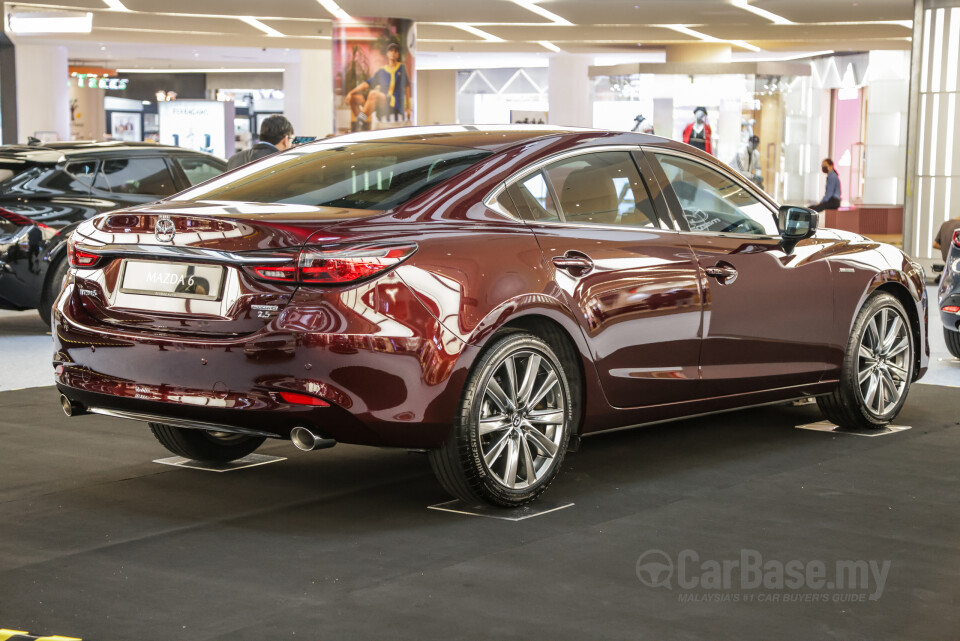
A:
[(193, 253)]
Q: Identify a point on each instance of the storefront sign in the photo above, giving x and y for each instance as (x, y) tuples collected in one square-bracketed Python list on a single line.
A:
[(93, 81)]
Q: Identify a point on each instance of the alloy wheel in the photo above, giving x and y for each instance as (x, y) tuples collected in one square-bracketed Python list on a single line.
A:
[(884, 361), (522, 419)]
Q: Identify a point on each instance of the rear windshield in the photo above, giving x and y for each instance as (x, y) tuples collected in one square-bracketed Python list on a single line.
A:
[(365, 175)]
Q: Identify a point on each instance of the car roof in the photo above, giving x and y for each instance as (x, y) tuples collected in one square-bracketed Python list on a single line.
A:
[(54, 152), (487, 137)]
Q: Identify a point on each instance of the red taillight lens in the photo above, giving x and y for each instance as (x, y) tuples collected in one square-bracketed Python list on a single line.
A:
[(956, 238), (20, 219), (303, 399), (953, 309), (337, 266), (80, 258)]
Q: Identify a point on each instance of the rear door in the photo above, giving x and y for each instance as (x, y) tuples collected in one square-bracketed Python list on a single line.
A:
[(630, 280), (767, 313)]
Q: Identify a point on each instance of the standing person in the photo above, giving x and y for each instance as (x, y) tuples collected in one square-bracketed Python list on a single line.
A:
[(831, 195), (387, 93), (276, 135), (698, 133), (747, 161), (945, 236)]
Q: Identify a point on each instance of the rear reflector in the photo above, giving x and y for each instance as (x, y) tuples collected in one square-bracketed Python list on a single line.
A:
[(956, 238), (303, 399), (952, 309)]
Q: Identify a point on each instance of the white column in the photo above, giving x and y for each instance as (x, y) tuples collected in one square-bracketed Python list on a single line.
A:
[(885, 155), (307, 88), (933, 149), (570, 91), (437, 97), (43, 101)]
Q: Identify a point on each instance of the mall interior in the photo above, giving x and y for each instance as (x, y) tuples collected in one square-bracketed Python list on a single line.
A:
[(656, 532)]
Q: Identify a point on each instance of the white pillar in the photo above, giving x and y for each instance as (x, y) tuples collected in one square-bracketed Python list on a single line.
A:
[(885, 155), (570, 91), (437, 97), (307, 89), (933, 144), (43, 102)]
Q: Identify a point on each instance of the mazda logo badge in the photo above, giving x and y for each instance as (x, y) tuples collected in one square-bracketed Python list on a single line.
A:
[(164, 230)]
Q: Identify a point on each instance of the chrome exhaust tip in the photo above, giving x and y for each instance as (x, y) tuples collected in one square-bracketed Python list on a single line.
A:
[(71, 408), (305, 440)]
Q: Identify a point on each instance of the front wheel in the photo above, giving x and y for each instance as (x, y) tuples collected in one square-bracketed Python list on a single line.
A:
[(513, 425), (952, 339), (877, 367), (201, 445)]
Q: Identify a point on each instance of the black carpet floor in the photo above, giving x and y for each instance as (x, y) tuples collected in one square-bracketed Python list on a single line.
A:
[(98, 542)]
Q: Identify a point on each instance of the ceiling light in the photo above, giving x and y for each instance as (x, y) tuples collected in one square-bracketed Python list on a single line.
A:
[(256, 24), (529, 5), (231, 70), (116, 5), (745, 45), (335, 9), (763, 13), (549, 45), (679, 28), (28, 22), (796, 56), (463, 26)]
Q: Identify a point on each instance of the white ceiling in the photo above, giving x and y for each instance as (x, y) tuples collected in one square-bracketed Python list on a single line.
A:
[(203, 32)]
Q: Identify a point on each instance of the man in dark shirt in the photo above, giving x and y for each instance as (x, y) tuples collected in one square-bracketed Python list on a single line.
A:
[(831, 195), (945, 236), (276, 135)]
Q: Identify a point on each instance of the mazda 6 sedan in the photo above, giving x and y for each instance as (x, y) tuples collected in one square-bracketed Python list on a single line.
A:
[(488, 295)]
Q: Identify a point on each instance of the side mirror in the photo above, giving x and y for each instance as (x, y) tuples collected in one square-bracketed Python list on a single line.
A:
[(796, 223)]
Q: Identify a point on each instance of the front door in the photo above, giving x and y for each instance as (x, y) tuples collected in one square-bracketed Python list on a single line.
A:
[(630, 281), (767, 313)]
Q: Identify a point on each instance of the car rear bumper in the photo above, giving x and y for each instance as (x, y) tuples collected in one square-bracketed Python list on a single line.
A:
[(384, 390)]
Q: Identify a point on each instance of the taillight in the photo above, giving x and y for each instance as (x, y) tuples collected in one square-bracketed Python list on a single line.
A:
[(20, 219), (80, 258), (952, 309), (337, 266), (956, 238)]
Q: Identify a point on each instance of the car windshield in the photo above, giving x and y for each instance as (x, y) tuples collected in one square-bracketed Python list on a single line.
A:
[(367, 175)]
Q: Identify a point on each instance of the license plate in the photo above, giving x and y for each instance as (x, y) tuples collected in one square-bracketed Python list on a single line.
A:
[(177, 280)]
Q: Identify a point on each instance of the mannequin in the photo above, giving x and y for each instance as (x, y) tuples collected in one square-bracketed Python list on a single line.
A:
[(642, 125), (747, 161), (698, 132)]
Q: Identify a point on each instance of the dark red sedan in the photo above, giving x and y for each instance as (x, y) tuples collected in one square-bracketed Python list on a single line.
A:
[(488, 294)]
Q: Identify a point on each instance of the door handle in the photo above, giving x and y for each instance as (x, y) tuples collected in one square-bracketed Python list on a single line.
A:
[(725, 275), (578, 265)]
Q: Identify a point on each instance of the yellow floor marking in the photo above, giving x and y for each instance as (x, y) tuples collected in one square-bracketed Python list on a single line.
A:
[(6, 634)]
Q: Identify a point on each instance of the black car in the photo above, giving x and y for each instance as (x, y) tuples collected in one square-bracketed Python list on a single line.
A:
[(949, 297), (47, 190)]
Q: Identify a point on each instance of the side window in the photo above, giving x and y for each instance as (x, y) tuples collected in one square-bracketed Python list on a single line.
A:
[(602, 188), (714, 202), (533, 198), (76, 177), (198, 169), (148, 176)]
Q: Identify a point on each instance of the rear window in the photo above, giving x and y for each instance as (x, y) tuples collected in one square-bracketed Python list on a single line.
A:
[(377, 176)]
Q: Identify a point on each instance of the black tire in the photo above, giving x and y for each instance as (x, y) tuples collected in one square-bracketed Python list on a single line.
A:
[(459, 463), (55, 280), (846, 406), (201, 445), (952, 339)]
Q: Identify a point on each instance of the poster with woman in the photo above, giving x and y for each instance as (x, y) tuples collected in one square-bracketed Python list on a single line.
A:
[(373, 73)]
